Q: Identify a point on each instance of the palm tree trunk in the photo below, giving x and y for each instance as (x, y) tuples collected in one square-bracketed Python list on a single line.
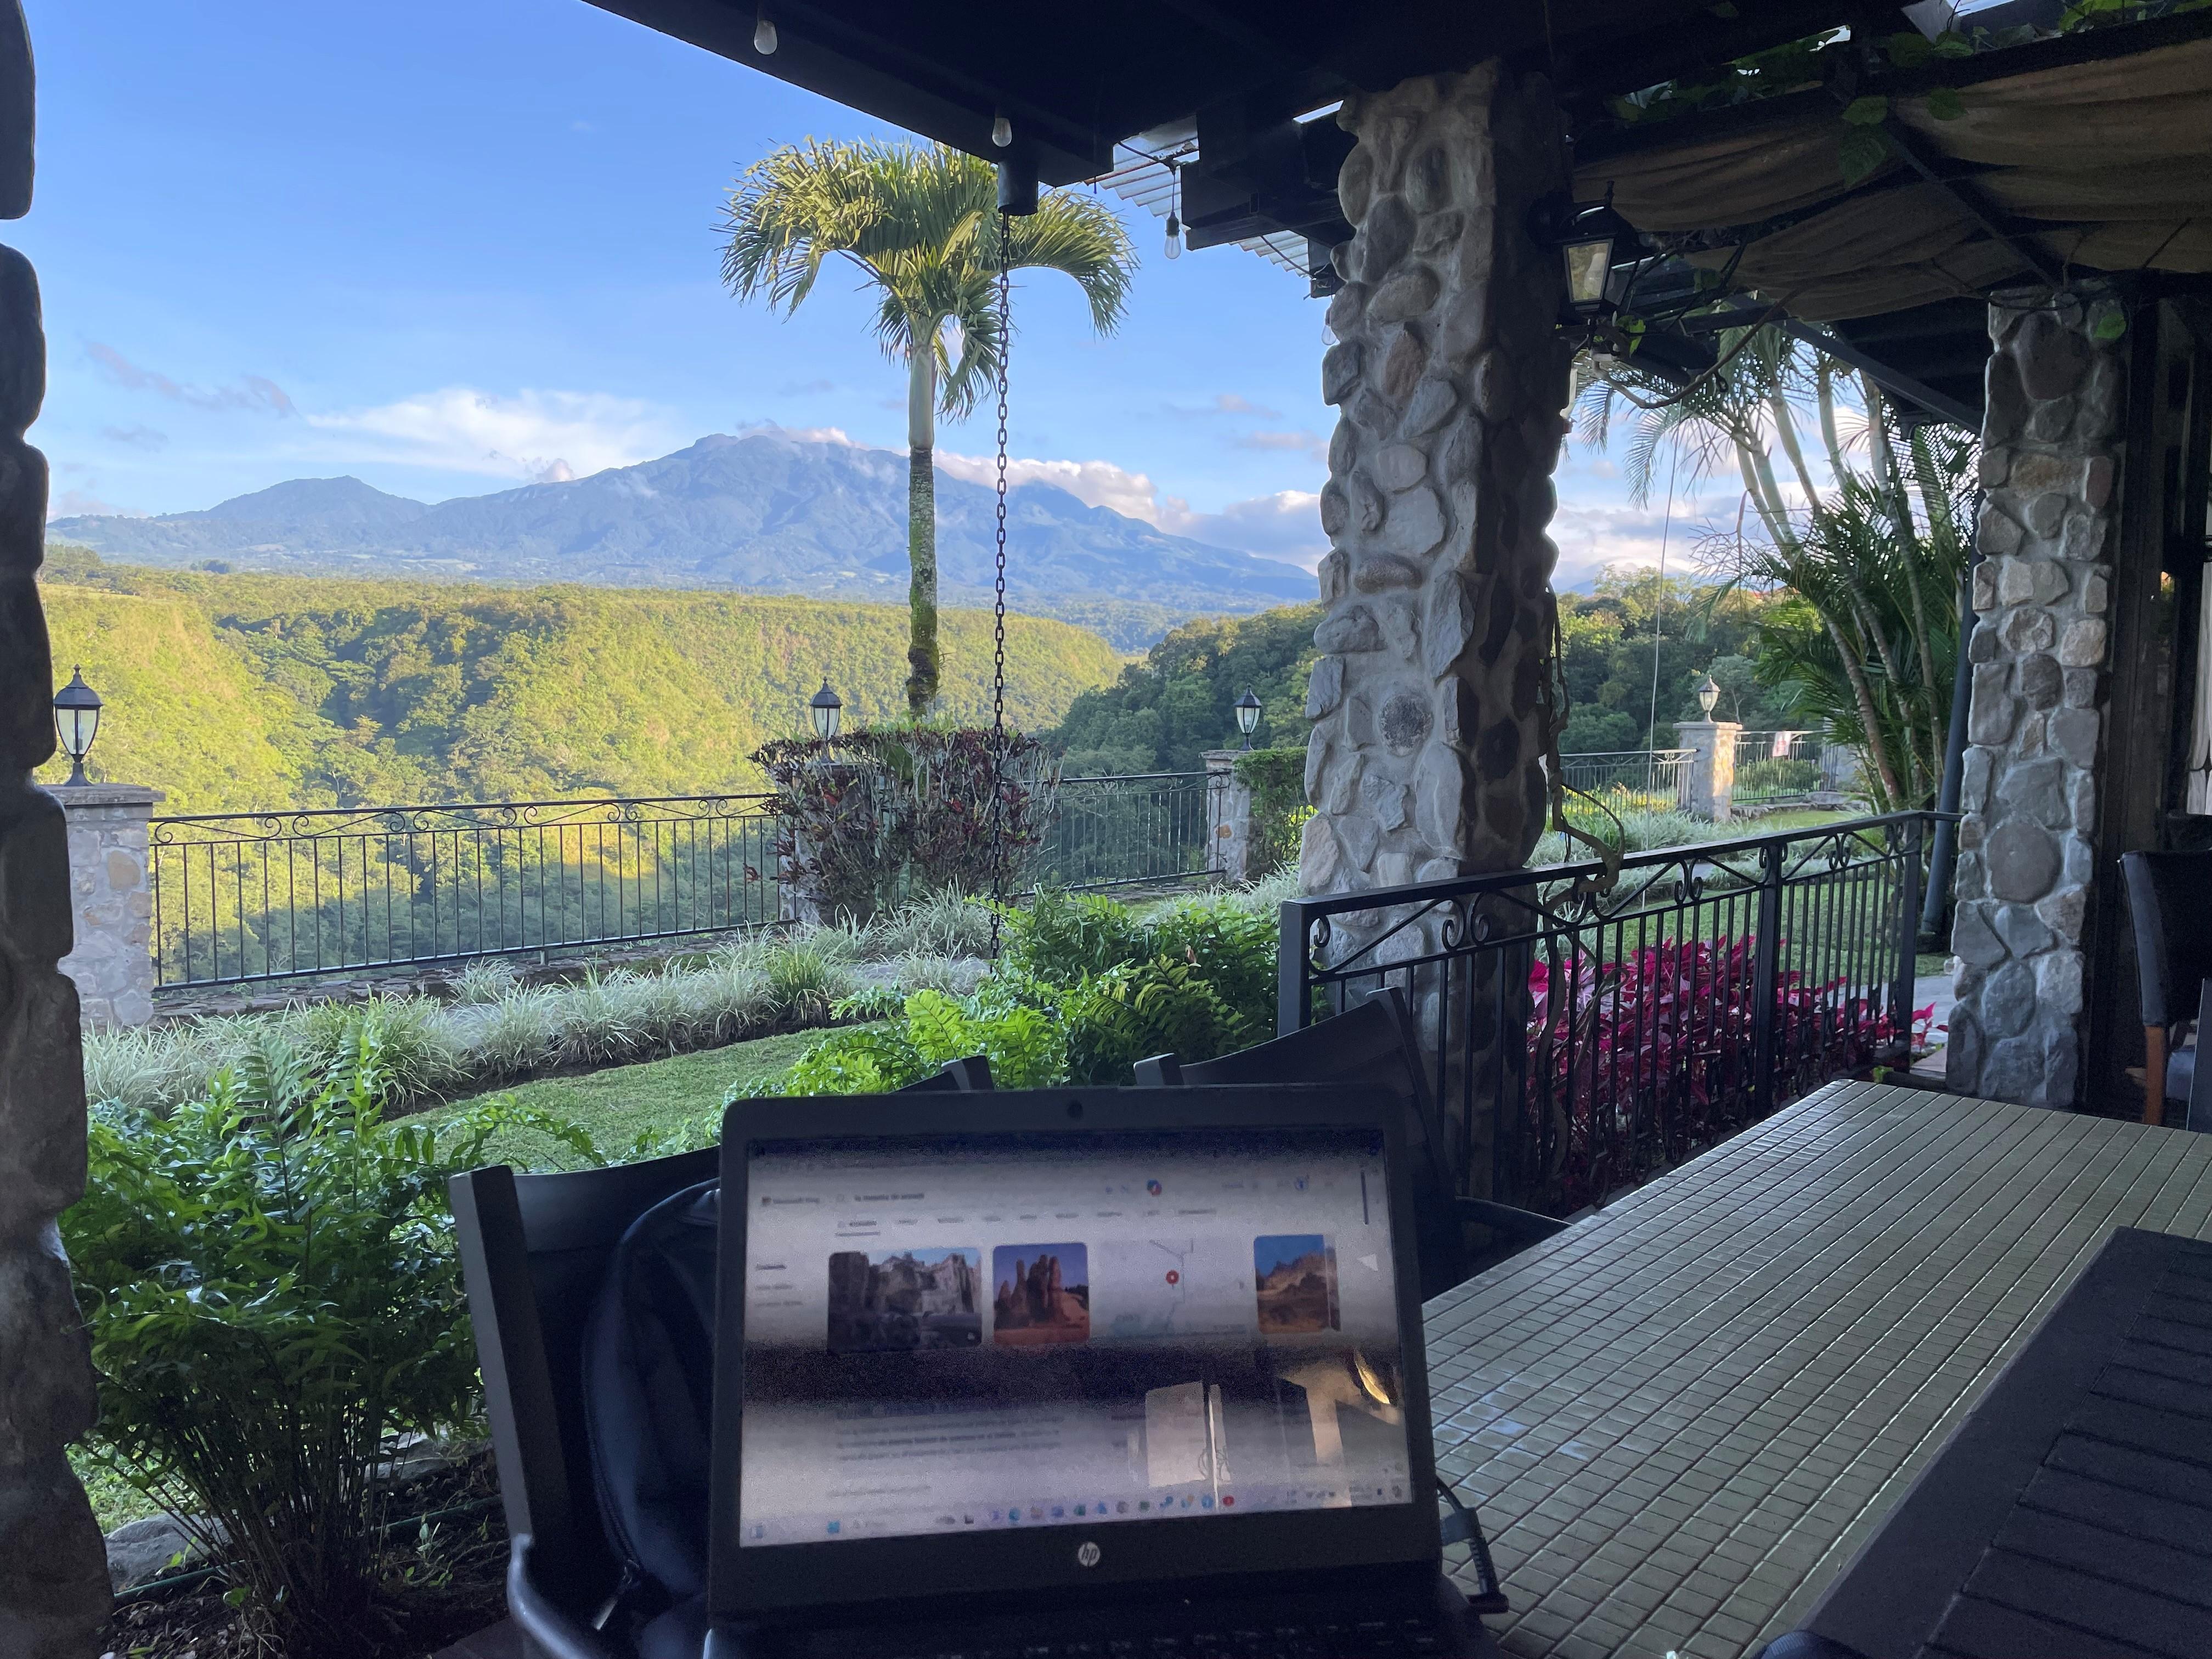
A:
[(921, 651), (1863, 694)]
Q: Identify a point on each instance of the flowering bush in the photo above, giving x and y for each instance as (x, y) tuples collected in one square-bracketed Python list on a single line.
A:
[(1635, 1064), (866, 820)]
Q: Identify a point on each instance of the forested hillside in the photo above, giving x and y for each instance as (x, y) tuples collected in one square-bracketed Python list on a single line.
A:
[(1166, 711), (237, 691)]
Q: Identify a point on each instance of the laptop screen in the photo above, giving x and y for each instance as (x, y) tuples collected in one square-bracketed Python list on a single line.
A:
[(964, 1334)]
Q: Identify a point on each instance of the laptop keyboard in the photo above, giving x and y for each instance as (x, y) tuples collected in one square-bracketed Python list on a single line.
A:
[(1374, 1638)]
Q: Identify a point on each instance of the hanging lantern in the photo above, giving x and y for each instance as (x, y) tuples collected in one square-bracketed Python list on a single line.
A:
[(1709, 693), (1248, 715), (1584, 233), (1175, 216), (764, 34), (1002, 131), (827, 710), (77, 721)]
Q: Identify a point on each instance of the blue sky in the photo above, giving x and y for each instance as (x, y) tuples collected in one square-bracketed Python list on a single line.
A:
[(450, 248)]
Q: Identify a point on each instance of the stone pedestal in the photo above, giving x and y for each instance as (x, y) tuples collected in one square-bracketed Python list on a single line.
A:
[(2035, 729), (112, 961), (1708, 780), (1228, 818)]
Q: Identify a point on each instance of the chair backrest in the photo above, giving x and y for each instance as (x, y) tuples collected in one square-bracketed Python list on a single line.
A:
[(1371, 1043), (970, 1075), (2170, 902), (534, 1253)]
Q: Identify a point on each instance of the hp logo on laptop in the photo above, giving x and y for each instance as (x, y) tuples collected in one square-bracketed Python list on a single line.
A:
[(1086, 1555)]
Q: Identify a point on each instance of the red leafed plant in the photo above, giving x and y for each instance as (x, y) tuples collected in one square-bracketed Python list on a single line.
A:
[(1637, 1064)]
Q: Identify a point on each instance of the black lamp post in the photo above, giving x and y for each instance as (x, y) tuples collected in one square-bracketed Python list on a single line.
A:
[(77, 721), (827, 710), (1709, 693), (1248, 715)]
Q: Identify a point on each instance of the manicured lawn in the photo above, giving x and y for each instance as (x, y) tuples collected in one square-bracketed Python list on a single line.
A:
[(659, 1095)]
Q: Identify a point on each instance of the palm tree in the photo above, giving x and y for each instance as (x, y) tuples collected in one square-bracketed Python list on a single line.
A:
[(921, 223)]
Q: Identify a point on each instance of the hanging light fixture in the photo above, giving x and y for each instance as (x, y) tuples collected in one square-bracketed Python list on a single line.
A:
[(77, 721), (1002, 130), (1175, 218), (764, 34), (1584, 233), (1709, 693), (827, 710), (1248, 715)]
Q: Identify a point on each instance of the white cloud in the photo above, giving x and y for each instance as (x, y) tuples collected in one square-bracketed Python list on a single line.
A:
[(1285, 525), (76, 504), (1590, 539), (1095, 483), (253, 392), (543, 436)]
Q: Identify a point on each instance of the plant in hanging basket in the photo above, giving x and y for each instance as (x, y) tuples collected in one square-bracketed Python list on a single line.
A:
[(869, 819)]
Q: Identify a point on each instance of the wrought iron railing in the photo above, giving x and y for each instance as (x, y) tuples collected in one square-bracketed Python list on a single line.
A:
[(251, 895), (1642, 780), (1138, 829), (1773, 768), (1583, 1038)]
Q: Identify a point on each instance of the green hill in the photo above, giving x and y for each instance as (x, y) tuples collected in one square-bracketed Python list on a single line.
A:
[(238, 691)]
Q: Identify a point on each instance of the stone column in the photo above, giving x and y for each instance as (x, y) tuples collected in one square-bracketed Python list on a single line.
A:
[(1228, 817), (53, 1570), (1708, 780), (1429, 703), (113, 962), (1451, 376), (2033, 732)]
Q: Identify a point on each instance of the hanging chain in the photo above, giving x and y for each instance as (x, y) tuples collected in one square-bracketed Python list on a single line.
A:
[(999, 596)]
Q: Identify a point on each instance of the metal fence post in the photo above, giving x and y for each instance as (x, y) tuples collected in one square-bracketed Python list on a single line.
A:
[(1293, 1004), (1766, 974), (1908, 933)]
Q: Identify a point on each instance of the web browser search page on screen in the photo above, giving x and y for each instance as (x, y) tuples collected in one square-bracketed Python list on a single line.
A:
[(945, 1338)]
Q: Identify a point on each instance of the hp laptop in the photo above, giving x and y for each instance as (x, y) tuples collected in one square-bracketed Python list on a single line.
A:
[(1073, 1374)]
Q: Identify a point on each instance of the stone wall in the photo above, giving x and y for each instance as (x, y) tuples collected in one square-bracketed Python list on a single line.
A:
[(53, 1570), (112, 962), (1449, 376), (2025, 859)]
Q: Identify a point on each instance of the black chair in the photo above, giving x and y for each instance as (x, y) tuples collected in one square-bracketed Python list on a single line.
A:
[(2170, 902), (1372, 1044), (535, 1250)]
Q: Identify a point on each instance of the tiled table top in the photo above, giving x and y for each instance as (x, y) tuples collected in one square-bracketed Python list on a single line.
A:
[(1682, 1416)]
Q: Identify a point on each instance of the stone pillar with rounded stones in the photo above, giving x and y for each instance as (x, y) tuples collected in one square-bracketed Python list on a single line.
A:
[(112, 961), (1429, 702), (2029, 792), (54, 1596), (1449, 375)]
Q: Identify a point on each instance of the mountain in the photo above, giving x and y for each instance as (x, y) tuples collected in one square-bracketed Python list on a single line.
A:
[(765, 511), (245, 691)]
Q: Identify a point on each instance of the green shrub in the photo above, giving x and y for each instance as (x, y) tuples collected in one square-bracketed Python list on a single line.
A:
[(269, 1282), (1023, 1045), (417, 1057), (1142, 1008), (806, 980), (947, 923), (1277, 779), (1233, 950), (1062, 936), (485, 979)]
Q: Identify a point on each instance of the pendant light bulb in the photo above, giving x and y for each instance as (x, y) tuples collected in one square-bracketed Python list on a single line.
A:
[(764, 36), (1174, 237), (1002, 132)]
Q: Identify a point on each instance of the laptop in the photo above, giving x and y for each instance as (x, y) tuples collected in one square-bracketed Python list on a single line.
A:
[(1073, 1374)]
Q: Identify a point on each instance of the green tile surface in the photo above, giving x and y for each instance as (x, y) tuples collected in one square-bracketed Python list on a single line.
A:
[(1682, 1416)]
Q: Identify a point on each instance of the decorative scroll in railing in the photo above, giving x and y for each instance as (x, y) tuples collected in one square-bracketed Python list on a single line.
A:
[(1774, 767), (1148, 828), (271, 895), (1632, 780), (1583, 1039)]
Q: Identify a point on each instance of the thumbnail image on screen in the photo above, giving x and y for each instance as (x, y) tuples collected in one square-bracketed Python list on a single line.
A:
[(1294, 1275), (1043, 1294), (901, 1299)]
